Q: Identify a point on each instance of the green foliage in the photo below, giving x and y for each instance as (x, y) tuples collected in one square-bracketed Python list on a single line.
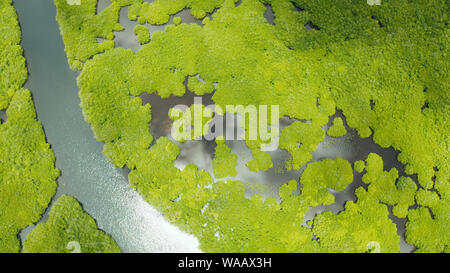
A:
[(353, 229), (198, 87), (300, 140), (177, 20), (224, 162), (359, 166), (68, 229), (428, 224), (27, 170), (142, 33), (12, 65), (119, 121), (266, 227), (261, 161), (213, 211), (159, 11), (319, 176), (337, 129), (81, 26), (387, 187), (372, 62)]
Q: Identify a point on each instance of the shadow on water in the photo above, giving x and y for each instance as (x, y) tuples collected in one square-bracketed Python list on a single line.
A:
[(3, 117), (269, 14)]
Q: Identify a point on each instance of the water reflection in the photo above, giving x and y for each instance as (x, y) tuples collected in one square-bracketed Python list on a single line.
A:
[(127, 39), (101, 188), (266, 183)]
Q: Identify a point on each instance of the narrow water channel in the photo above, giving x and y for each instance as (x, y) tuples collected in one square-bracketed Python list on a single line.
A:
[(86, 174)]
